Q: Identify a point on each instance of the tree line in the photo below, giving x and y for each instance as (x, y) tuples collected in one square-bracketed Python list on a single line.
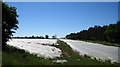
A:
[(108, 33), (33, 37)]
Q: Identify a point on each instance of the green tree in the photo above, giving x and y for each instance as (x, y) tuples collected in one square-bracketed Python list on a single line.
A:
[(118, 31), (111, 33), (46, 36), (9, 22)]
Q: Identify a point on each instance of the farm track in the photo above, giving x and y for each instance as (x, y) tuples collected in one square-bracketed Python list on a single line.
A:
[(76, 53), (74, 57), (67, 51), (65, 54)]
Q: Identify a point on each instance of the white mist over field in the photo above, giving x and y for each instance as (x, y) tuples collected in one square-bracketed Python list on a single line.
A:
[(95, 50)]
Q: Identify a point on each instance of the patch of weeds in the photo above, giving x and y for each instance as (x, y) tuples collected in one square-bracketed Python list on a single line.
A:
[(87, 56), (77, 51), (109, 61), (62, 56)]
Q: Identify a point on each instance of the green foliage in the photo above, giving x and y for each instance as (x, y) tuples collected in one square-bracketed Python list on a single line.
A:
[(9, 22), (75, 58), (14, 56), (113, 32), (93, 33), (110, 33), (46, 37)]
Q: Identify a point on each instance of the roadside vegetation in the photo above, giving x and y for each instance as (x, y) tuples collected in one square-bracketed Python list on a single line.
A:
[(73, 57), (14, 56)]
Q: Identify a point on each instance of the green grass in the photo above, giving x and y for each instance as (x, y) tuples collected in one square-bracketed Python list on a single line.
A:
[(103, 42), (14, 56), (77, 60)]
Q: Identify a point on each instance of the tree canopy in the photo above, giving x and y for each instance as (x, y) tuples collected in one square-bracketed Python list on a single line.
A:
[(110, 33), (113, 32), (9, 22), (46, 36)]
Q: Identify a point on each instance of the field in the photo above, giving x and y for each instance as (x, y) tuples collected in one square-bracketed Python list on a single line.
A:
[(41, 47), (47, 52), (98, 51)]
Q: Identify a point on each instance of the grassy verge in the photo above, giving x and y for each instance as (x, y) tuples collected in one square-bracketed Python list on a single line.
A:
[(103, 42), (75, 59), (14, 56)]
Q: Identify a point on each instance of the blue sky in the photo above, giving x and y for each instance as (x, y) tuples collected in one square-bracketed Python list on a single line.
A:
[(62, 18)]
